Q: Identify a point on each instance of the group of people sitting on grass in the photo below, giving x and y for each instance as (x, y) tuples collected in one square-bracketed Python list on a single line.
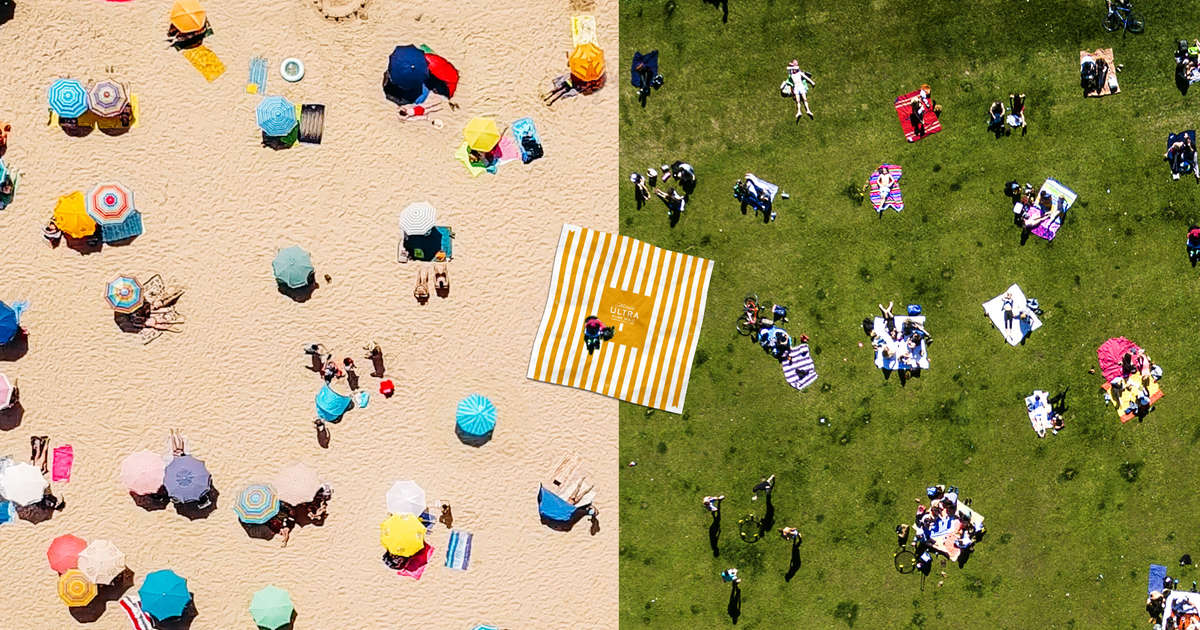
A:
[(905, 341), (1184, 614), (675, 200), (1031, 211), (1181, 155), (1137, 372), (775, 340), (1187, 63), (1013, 117), (943, 506)]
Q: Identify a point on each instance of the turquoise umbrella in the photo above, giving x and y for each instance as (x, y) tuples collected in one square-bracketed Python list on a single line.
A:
[(476, 416), (330, 404), (256, 504), (164, 594), (293, 267), (271, 607), (276, 116), (68, 98)]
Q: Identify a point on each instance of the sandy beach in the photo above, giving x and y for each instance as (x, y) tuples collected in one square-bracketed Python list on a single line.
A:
[(217, 206)]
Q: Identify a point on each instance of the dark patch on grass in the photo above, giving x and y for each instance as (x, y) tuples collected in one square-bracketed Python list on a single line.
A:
[(918, 620), (846, 611), (701, 357), (864, 274), (1006, 538), (974, 585), (826, 387), (1067, 474), (821, 294), (820, 518), (1131, 470), (661, 448), (706, 240), (949, 411)]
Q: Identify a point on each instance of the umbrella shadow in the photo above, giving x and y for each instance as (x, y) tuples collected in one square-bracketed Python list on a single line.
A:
[(302, 294), (260, 531), (196, 510), (105, 593), (11, 417), (279, 143), (8, 9), (473, 440), (86, 245), (36, 513), (71, 127), (151, 502), (290, 625), (16, 348), (182, 622)]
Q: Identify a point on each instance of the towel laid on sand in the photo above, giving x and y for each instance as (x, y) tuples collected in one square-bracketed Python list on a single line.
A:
[(60, 470), (583, 29), (1107, 55), (893, 200), (1055, 190), (206, 61), (458, 550), (1157, 573), (138, 620), (257, 82), (892, 363), (798, 368), (414, 567), (903, 106), (1020, 327)]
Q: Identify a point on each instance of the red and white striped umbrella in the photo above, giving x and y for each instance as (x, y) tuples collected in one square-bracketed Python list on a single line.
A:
[(110, 204)]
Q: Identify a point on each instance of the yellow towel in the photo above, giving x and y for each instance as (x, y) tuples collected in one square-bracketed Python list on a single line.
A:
[(206, 61), (583, 29)]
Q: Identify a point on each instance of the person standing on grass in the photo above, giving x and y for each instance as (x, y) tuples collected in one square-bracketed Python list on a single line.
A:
[(790, 533), (798, 82), (713, 504)]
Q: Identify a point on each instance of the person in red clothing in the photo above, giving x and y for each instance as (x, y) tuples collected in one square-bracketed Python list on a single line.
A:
[(1193, 244)]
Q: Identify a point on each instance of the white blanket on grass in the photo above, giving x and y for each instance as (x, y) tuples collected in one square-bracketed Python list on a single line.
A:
[(1038, 406), (920, 358), (763, 185), (1020, 327)]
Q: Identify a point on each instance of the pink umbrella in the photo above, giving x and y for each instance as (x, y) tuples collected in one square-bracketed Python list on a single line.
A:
[(64, 552), (142, 472), (1110, 353)]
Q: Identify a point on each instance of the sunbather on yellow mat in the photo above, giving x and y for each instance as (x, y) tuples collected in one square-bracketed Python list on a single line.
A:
[(1128, 398), (206, 61)]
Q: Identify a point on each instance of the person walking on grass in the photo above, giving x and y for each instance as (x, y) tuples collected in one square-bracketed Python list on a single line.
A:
[(765, 486), (790, 533), (713, 504), (797, 83)]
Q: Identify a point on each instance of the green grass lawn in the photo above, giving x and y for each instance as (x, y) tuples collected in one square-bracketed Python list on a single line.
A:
[(1099, 499)]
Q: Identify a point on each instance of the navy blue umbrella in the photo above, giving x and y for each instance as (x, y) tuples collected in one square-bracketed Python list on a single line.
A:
[(407, 71)]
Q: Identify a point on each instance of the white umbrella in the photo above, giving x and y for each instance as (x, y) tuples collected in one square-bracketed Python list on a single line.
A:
[(418, 218), (296, 484), (101, 561), (23, 484), (406, 497)]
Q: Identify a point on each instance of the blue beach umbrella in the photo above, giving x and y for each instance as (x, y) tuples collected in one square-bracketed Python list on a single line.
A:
[(164, 594), (68, 98), (10, 323), (257, 504), (331, 405), (187, 479), (407, 71), (124, 294), (292, 266), (476, 416), (276, 116)]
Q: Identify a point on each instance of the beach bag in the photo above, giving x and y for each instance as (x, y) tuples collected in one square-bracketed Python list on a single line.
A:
[(914, 309), (785, 89), (532, 149)]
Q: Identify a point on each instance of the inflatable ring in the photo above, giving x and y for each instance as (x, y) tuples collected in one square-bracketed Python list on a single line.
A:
[(292, 70)]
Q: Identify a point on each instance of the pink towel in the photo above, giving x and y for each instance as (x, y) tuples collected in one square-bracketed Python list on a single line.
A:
[(415, 566), (60, 470)]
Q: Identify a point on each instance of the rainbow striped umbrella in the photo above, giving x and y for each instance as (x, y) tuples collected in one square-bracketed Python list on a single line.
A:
[(68, 98), (110, 204), (75, 589), (107, 98), (276, 116), (257, 504), (124, 294)]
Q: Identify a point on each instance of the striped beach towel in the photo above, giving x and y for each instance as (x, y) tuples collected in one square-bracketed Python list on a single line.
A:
[(257, 84), (653, 300), (458, 550), (138, 620), (904, 111), (798, 367), (894, 200)]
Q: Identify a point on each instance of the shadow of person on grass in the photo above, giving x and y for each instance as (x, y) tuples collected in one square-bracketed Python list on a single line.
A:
[(714, 534), (735, 602), (768, 519), (794, 563), (723, 5), (1058, 403)]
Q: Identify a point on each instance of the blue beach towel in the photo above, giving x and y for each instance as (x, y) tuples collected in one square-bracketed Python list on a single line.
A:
[(1157, 573), (8, 512), (258, 74), (524, 128), (458, 550)]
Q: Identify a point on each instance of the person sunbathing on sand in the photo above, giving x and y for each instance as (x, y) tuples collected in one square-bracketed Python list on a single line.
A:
[(420, 112), (155, 321)]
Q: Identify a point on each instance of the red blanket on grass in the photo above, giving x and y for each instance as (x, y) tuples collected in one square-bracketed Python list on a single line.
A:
[(904, 112)]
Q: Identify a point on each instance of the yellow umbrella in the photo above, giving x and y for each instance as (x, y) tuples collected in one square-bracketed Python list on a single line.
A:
[(402, 535), (187, 16), (75, 589), (586, 62), (70, 215), (482, 134)]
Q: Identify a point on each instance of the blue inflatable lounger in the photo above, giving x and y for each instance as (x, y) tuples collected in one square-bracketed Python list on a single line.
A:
[(566, 494), (528, 141)]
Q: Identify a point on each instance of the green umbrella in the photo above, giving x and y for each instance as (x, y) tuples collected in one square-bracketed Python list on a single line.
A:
[(271, 607), (293, 267)]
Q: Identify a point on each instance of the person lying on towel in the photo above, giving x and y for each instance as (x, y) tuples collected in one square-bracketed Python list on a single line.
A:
[(1182, 157)]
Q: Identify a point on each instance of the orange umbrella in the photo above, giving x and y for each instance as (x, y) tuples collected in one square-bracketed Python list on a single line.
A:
[(64, 552), (586, 62), (188, 16)]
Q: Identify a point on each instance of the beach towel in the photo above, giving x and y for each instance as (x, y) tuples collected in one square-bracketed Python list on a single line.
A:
[(973, 517), (312, 123), (206, 61), (943, 539), (8, 512), (653, 300), (798, 368), (1128, 398), (428, 520), (583, 29), (15, 178), (1038, 408), (1110, 354), (257, 83), (1107, 55), (894, 200), (1020, 327), (60, 470), (903, 106), (920, 355), (463, 154), (1158, 573), (1056, 190), (522, 129), (414, 567), (458, 550), (650, 60), (138, 620), (505, 151)]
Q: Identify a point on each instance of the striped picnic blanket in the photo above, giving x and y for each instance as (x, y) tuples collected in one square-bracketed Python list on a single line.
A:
[(653, 300), (798, 367), (904, 111), (458, 550), (894, 200), (138, 620)]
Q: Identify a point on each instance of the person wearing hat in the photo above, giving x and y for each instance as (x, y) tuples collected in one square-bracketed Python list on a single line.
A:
[(796, 81)]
